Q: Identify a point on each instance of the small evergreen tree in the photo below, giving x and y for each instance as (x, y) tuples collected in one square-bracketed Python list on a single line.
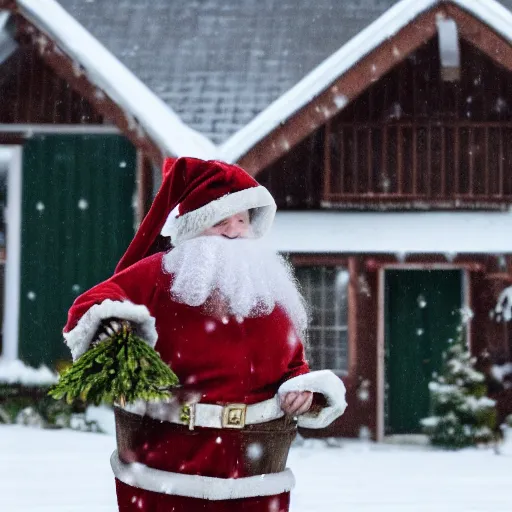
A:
[(462, 414)]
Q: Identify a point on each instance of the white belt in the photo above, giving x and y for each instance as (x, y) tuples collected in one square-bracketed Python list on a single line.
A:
[(230, 415)]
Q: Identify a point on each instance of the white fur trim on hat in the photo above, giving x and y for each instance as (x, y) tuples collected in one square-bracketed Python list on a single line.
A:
[(326, 383), (203, 487), (191, 224), (79, 338)]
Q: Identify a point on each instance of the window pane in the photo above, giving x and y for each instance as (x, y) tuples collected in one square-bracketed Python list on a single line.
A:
[(326, 292)]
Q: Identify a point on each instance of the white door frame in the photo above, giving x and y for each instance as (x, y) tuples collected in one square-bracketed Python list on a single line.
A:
[(381, 308), (13, 253)]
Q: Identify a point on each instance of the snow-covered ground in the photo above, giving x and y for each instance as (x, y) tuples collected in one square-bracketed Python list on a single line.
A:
[(66, 471)]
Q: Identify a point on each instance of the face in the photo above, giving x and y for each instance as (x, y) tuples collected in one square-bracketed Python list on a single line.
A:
[(236, 226)]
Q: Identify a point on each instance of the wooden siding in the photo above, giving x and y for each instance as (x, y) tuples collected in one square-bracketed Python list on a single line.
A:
[(295, 180), (411, 140), (415, 140), (33, 94)]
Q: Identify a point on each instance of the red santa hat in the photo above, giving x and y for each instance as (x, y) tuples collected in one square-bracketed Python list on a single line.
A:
[(195, 195)]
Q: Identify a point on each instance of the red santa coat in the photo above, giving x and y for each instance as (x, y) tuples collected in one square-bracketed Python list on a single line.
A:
[(218, 360)]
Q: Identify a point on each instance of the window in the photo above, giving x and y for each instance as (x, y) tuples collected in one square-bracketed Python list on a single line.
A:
[(325, 289)]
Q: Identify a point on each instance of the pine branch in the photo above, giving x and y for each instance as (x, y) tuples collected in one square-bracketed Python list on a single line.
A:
[(122, 369)]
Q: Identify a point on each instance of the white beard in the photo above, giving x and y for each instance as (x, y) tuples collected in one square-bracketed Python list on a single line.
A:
[(250, 277)]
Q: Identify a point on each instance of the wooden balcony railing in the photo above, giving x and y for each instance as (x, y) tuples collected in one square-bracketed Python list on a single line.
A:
[(448, 164)]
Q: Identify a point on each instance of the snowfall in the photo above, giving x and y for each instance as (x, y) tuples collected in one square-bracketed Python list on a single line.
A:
[(69, 471)]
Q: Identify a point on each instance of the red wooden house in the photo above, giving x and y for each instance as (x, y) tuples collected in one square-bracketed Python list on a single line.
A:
[(392, 170), (384, 130)]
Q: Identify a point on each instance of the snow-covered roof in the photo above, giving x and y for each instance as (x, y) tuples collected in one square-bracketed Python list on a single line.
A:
[(105, 71), (218, 63), (392, 232), (390, 23)]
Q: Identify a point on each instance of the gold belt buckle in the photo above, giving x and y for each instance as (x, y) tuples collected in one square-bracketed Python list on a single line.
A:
[(233, 416)]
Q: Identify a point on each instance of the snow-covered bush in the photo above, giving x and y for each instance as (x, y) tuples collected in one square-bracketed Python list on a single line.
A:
[(462, 414), (24, 400)]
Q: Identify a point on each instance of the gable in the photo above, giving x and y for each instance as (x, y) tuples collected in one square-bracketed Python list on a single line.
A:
[(32, 93), (95, 73), (363, 61)]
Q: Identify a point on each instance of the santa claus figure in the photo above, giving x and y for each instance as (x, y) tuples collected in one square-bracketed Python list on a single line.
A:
[(225, 313)]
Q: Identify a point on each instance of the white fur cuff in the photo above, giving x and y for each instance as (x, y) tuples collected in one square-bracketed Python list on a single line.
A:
[(202, 487), (79, 339), (326, 383)]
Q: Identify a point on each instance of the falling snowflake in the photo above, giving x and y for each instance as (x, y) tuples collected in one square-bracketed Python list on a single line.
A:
[(40, 206), (385, 183), (209, 326), (75, 288), (31, 295), (466, 314), (363, 391), (422, 303), (419, 332), (218, 440), (254, 451), (365, 433), (122, 164), (99, 94), (292, 338), (500, 105), (274, 505), (83, 204), (340, 100), (225, 320)]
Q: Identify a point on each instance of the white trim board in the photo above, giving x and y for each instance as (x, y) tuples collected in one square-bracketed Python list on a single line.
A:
[(13, 261), (392, 232), (89, 129)]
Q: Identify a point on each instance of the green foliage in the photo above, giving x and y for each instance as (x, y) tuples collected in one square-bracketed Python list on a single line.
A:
[(462, 414), (31, 405), (121, 369)]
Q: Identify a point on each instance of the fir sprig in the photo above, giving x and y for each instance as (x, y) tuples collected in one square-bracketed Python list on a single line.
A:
[(120, 369)]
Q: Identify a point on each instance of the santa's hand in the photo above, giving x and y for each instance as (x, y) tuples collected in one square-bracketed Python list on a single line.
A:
[(107, 328), (295, 403)]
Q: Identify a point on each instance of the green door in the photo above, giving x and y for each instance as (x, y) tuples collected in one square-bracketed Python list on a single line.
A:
[(77, 220), (421, 315)]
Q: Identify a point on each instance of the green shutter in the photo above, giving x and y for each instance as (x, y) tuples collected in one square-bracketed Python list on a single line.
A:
[(421, 315), (77, 220)]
